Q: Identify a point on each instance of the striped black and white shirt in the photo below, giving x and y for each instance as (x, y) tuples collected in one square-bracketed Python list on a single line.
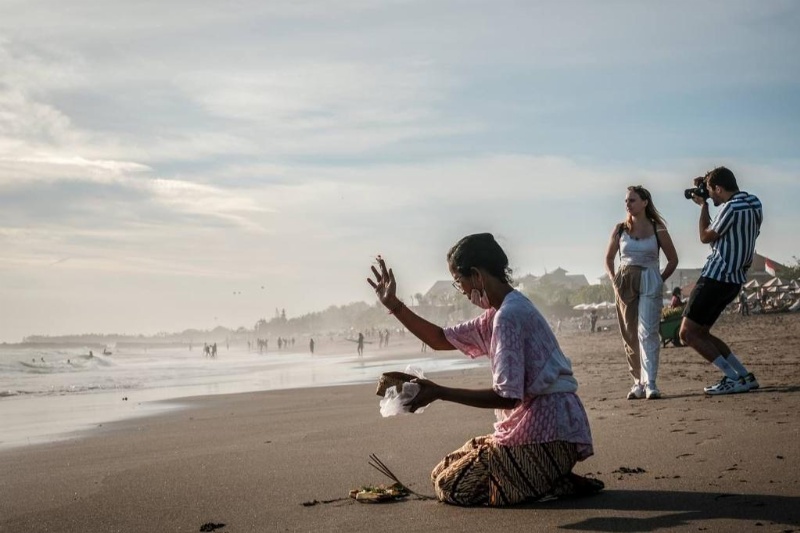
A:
[(738, 224)]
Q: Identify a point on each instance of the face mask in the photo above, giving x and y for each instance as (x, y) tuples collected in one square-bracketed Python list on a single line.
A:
[(480, 298)]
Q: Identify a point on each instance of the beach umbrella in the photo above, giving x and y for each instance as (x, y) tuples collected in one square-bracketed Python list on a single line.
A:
[(752, 284), (794, 284), (774, 282), (580, 307)]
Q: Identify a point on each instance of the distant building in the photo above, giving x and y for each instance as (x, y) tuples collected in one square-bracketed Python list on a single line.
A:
[(442, 292), (764, 268), (526, 282), (558, 277)]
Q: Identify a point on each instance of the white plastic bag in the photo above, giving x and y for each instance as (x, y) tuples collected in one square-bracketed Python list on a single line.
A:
[(393, 402)]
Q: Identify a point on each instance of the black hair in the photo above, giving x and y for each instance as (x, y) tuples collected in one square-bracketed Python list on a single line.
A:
[(479, 250), (723, 177)]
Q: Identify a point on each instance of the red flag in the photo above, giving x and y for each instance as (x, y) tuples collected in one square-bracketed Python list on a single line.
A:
[(769, 267)]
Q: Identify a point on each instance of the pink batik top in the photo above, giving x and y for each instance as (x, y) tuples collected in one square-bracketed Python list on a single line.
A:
[(527, 364)]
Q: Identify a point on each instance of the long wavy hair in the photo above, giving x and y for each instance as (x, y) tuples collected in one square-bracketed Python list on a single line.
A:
[(650, 210)]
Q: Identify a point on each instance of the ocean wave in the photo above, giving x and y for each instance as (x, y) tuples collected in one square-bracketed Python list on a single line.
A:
[(71, 389), (70, 364)]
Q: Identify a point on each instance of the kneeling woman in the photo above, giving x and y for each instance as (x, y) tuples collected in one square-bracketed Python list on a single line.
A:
[(542, 430)]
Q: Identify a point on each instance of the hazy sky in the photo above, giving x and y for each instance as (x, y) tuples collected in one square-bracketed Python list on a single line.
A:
[(193, 163)]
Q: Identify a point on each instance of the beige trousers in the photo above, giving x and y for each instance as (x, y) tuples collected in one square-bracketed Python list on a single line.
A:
[(639, 301)]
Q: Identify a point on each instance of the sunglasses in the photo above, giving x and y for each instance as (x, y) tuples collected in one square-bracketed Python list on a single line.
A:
[(641, 191)]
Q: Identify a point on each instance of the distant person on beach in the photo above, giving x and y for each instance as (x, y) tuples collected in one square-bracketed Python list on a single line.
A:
[(744, 308), (593, 320), (638, 286), (311, 345), (732, 236), (676, 298), (360, 344), (542, 429)]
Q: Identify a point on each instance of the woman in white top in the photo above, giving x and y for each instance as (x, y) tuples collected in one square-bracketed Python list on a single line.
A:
[(638, 286)]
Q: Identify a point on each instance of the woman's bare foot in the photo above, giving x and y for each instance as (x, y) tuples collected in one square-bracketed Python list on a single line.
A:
[(585, 486)]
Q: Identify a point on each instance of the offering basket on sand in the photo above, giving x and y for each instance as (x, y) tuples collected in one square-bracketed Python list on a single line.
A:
[(393, 379)]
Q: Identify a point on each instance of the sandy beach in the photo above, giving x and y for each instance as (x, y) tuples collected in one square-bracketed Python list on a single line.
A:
[(285, 460)]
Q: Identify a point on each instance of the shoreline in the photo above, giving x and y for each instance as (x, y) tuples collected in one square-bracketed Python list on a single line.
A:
[(251, 461), (32, 419)]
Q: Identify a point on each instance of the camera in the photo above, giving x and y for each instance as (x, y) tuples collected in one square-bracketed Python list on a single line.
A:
[(700, 191)]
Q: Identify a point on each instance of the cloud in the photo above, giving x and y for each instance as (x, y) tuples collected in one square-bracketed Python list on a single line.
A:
[(107, 167), (188, 145)]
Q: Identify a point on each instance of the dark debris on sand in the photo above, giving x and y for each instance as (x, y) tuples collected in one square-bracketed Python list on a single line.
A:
[(628, 470)]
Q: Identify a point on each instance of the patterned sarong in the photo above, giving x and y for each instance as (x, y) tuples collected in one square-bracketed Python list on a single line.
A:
[(484, 473)]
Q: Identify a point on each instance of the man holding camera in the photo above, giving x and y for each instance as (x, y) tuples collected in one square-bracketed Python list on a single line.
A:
[(732, 236)]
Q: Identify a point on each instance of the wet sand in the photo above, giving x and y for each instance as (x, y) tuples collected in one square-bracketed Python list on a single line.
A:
[(285, 460)]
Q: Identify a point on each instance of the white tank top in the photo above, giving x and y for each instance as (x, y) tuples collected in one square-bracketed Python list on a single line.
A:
[(638, 252)]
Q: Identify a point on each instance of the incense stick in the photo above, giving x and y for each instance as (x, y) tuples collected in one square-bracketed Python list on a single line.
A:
[(379, 465)]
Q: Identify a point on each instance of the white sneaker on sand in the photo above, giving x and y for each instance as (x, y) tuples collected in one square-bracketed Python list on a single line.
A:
[(652, 393), (636, 393), (726, 386)]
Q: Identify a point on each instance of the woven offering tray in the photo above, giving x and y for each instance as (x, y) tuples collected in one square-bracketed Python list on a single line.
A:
[(379, 494), (393, 379)]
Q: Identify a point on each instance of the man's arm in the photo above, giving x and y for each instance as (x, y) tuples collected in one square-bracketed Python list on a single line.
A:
[(706, 235)]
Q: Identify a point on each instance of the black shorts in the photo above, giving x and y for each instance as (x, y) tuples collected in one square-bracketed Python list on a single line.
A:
[(708, 300)]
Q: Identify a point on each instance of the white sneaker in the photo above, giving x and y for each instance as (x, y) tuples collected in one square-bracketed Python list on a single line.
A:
[(726, 386), (636, 393), (652, 393)]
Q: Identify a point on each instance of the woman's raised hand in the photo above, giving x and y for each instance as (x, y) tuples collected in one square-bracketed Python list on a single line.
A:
[(384, 283)]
